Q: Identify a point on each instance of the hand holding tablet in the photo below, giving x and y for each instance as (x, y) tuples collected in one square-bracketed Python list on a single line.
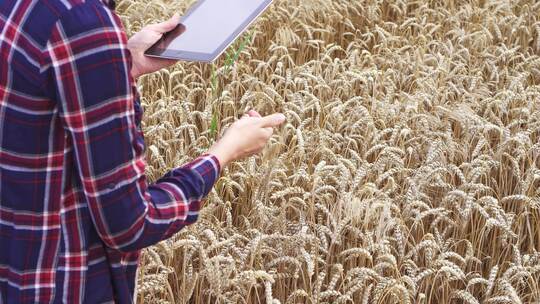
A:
[(208, 29)]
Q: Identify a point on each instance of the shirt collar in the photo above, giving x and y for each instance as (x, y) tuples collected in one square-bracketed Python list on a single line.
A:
[(110, 3)]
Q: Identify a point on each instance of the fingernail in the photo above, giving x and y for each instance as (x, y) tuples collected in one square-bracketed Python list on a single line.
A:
[(281, 118)]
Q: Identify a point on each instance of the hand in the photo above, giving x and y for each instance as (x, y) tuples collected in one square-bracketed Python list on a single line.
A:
[(246, 137), (143, 40)]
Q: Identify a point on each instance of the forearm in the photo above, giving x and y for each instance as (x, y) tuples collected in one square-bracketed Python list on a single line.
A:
[(140, 220)]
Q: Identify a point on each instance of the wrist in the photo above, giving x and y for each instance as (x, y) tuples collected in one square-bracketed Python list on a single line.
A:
[(223, 155), (135, 58), (135, 72)]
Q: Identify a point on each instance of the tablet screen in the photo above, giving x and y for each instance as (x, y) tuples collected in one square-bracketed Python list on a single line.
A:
[(210, 27)]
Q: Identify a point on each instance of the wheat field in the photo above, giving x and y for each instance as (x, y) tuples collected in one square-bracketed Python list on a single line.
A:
[(408, 170)]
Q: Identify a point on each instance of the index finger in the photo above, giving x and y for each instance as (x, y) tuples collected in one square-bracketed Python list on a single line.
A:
[(273, 120)]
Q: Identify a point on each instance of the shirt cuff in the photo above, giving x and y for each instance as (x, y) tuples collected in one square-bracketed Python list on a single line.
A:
[(215, 159), (208, 168)]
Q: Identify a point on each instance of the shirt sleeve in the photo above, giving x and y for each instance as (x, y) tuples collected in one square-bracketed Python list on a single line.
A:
[(89, 70)]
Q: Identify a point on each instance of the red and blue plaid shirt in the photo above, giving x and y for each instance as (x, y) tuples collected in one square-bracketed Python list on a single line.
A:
[(75, 208)]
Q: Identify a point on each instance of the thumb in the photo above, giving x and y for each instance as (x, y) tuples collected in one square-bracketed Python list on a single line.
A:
[(273, 120), (168, 25)]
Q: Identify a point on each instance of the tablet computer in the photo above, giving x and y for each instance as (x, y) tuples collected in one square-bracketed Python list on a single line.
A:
[(207, 29)]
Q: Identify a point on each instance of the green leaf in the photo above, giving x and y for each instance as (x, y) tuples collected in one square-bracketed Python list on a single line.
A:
[(242, 46), (231, 59), (231, 56), (214, 125), (214, 81)]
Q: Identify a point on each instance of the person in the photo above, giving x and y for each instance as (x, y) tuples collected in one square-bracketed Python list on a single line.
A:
[(75, 206)]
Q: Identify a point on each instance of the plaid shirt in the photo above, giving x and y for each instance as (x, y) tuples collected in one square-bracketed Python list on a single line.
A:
[(75, 208)]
